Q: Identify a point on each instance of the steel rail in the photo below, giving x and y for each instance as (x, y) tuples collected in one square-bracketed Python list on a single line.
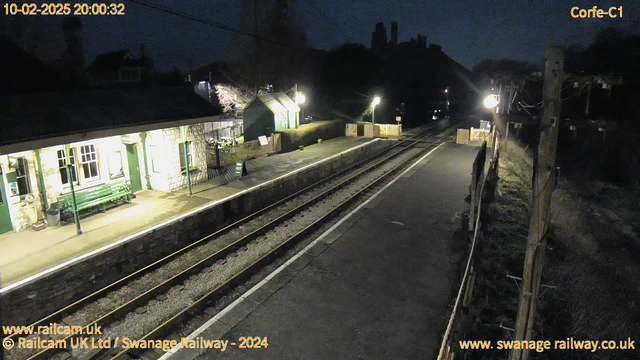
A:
[(165, 285), (59, 314), (250, 270)]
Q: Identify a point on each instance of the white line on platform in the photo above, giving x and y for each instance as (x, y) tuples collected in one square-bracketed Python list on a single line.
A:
[(170, 221), (239, 300)]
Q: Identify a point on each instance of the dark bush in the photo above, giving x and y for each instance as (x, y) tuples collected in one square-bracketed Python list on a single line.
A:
[(310, 133)]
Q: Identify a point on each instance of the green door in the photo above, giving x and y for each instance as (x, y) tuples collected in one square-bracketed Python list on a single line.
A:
[(134, 167), (5, 217)]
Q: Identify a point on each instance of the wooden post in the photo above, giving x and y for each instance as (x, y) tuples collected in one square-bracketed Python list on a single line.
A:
[(506, 137), (542, 189), (41, 186), (586, 108), (472, 208)]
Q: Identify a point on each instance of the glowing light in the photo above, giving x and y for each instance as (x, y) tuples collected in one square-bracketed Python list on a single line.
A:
[(376, 101), (491, 101), (300, 98)]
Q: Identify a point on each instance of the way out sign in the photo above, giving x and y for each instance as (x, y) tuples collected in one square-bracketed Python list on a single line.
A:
[(241, 168)]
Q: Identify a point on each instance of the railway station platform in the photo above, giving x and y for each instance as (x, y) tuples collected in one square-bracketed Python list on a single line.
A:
[(29, 253), (377, 285)]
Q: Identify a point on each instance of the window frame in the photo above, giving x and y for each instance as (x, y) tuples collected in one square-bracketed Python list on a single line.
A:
[(74, 166), (22, 164), (86, 159)]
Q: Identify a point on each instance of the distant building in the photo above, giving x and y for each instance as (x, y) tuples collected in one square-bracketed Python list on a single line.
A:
[(120, 67), (394, 34), (74, 59), (379, 38), (115, 137), (269, 113)]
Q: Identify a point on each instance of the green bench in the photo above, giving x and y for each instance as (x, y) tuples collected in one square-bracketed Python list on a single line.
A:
[(97, 195)]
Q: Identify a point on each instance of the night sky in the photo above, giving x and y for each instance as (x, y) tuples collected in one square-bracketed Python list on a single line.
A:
[(468, 30)]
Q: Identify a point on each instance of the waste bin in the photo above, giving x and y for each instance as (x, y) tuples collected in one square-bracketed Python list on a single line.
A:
[(53, 217), (462, 219)]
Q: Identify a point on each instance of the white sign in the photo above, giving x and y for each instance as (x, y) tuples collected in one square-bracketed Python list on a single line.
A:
[(263, 140), (398, 118), (13, 189)]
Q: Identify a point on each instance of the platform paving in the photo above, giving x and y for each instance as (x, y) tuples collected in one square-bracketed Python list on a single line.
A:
[(30, 252), (375, 286)]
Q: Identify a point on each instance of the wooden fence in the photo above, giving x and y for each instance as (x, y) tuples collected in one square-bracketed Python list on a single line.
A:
[(382, 130), (485, 171), (228, 156), (351, 130), (390, 129)]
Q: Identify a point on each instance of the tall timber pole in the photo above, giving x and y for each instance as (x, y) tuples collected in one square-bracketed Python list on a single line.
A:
[(543, 182)]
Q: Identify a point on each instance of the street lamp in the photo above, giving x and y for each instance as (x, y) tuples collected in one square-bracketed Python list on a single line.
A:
[(446, 91), (491, 101), (376, 101)]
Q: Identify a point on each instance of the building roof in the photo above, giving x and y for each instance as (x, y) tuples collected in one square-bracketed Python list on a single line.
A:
[(49, 115), (22, 72), (115, 60), (277, 102)]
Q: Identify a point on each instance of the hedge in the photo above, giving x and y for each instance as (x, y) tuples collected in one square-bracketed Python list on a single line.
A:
[(310, 133)]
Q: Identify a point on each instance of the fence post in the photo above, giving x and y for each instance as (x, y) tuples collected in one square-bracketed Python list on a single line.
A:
[(472, 210), (217, 149), (469, 290)]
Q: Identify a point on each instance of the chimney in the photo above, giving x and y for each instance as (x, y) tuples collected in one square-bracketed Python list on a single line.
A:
[(74, 60), (394, 33), (142, 51)]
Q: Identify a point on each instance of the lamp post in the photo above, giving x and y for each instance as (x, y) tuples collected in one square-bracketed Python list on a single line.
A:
[(185, 131), (446, 92), (74, 202), (376, 101)]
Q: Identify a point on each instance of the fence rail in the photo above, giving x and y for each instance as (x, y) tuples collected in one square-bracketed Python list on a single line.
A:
[(485, 168), (218, 158)]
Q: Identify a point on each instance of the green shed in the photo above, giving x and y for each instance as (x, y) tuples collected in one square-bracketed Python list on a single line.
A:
[(269, 113)]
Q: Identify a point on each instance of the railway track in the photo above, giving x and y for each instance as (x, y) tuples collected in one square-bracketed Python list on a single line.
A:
[(203, 258)]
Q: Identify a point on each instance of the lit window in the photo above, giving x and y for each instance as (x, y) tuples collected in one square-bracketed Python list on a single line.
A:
[(116, 169), (22, 176), (89, 161), (181, 151), (62, 165)]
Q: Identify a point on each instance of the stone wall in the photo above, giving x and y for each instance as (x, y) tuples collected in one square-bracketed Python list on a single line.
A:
[(164, 154), (49, 293), (113, 166)]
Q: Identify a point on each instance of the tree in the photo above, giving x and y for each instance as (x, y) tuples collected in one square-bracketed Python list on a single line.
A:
[(275, 56), (232, 98)]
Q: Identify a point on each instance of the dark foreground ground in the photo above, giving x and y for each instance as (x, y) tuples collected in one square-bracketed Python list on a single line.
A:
[(381, 284)]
